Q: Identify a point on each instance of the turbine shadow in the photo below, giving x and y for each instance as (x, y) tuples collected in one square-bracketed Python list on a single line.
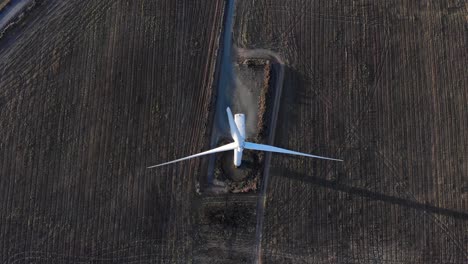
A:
[(369, 194)]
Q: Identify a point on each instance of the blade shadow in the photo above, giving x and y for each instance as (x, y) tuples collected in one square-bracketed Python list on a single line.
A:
[(370, 194)]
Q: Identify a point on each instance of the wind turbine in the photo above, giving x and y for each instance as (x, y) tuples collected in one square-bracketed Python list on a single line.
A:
[(237, 126)]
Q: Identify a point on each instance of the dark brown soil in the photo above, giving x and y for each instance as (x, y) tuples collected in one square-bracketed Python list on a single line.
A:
[(382, 85), (225, 229), (91, 93), (237, 174)]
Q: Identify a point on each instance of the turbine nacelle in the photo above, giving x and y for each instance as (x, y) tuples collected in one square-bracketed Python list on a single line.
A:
[(237, 129)]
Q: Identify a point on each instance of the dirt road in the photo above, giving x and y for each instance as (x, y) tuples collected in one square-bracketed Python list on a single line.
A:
[(278, 67)]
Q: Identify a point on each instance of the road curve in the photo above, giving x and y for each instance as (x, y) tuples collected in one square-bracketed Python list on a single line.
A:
[(278, 66)]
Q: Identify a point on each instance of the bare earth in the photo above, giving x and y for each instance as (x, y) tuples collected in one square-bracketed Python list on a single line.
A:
[(92, 92), (382, 85)]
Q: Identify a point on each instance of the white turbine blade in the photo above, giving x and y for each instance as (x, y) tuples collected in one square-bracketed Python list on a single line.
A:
[(227, 147), (232, 125), (254, 146)]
